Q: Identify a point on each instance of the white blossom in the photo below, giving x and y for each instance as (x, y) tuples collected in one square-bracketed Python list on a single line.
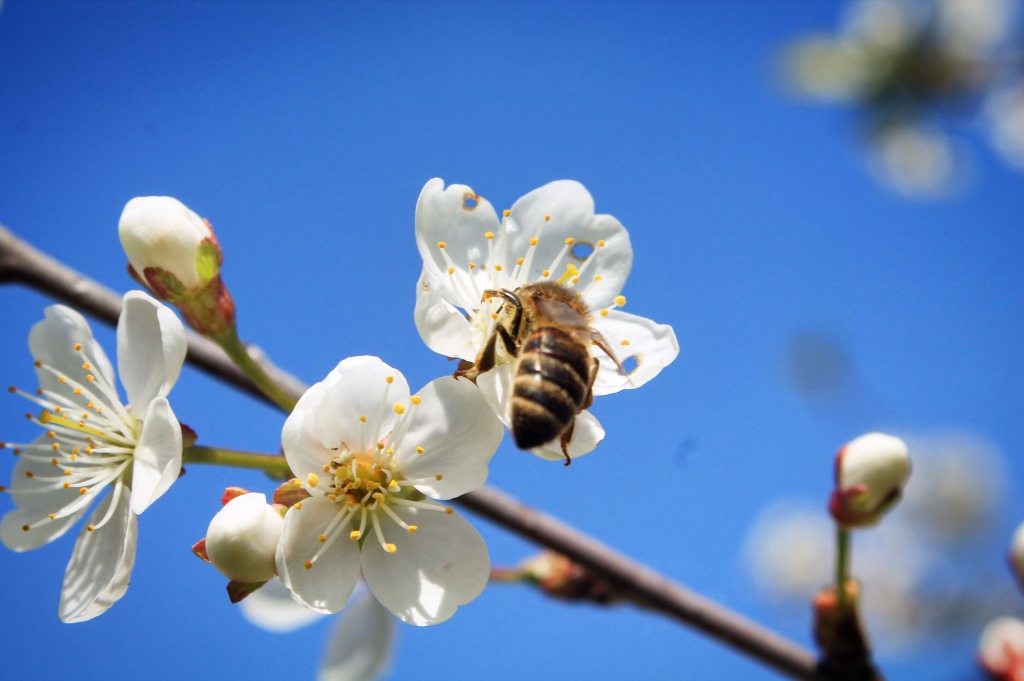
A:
[(550, 234), (372, 457), (94, 441)]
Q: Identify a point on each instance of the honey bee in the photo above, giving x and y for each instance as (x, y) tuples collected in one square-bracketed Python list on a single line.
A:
[(545, 326)]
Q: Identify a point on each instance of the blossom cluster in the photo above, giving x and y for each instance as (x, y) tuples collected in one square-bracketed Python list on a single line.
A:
[(530, 302)]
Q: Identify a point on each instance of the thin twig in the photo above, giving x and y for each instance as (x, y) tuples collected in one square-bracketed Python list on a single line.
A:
[(21, 263)]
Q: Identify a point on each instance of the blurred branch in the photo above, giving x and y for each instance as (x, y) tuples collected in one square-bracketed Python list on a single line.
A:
[(21, 263)]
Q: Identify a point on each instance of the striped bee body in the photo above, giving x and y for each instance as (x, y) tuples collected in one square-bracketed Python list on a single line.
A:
[(545, 326)]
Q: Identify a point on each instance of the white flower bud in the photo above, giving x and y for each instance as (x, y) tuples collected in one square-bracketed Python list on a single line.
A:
[(1017, 554), (1001, 648), (242, 539), (870, 474), (161, 233)]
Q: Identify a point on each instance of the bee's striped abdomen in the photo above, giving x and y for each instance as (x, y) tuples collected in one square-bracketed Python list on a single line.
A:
[(550, 386)]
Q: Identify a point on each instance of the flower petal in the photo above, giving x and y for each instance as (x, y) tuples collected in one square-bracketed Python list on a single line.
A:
[(157, 460), (641, 345), (496, 387), (327, 585), (151, 346), (102, 561), (443, 327), (272, 607), (451, 216), (357, 403), (14, 536), (52, 342), (586, 434), (443, 565), (303, 450), (361, 643), (459, 434), (37, 485), (571, 209)]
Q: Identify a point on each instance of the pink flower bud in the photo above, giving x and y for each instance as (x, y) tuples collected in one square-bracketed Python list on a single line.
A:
[(242, 539), (1001, 649), (870, 474), (171, 249)]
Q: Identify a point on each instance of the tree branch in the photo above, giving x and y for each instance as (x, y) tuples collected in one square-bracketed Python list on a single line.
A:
[(21, 263)]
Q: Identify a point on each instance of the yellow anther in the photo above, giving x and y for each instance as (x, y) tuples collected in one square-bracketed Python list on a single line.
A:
[(91, 405), (547, 218), (472, 265), (546, 273), (439, 477), (67, 471), (50, 434), (519, 261), (86, 367), (362, 419), (575, 280), (494, 315), (90, 527), (390, 380), (380, 445), (322, 538), (90, 378), (570, 271), (83, 490), (78, 346), (297, 506), (325, 468), (533, 241), (569, 241), (399, 408), (600, 243), (497, 268), (415, 399), (312, 480), (441, 244), (308, 565), (296, 482), (55, 446), (60, 379), (488, 235), (390, 548), (73, 457), (506, 212), (419, 450), (53, 516), (619, 300), (451, 270), (597, 277), (354, 535), (413, 528), (55, 461), (77, 391), (449, 510), (624, 342), (67, 485)]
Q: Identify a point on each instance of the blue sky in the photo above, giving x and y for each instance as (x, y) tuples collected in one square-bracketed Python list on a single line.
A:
[(305, 132)]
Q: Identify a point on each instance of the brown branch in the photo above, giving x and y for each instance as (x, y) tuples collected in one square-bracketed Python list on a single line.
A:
[(21, 263)]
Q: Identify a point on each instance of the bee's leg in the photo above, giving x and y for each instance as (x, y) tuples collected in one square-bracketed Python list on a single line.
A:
[(564, 440), (587, 401), (487, 358)]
